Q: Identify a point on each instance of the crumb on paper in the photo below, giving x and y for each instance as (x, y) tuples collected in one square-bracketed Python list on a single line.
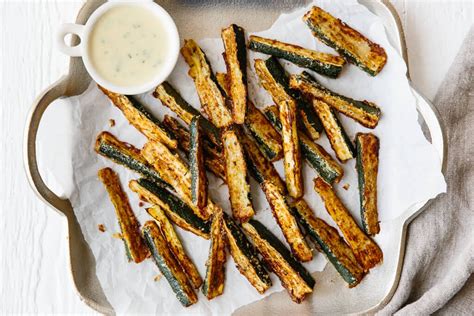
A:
[(141, 204), (117, 236), (111, 122), (346, 186), (101, 227), (157, 277)]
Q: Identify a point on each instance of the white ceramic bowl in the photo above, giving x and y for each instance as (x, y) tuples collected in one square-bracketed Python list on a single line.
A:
[(81, 50)]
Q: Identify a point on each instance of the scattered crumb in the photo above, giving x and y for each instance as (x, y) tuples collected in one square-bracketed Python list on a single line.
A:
[(111, 122), (101, 227), (158, 277), (346, 186), (141, 204), (117, 236)]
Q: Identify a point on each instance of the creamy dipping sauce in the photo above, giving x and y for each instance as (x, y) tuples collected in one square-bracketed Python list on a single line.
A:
[(128, 45)]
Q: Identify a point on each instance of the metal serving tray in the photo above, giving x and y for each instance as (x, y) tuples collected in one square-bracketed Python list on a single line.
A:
[(197, 19)]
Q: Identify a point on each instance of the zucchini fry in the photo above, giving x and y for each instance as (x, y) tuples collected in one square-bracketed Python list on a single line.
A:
[(316, 156), (287, 222), (287, 107), (235, 57), (213, 159), (365, 249), (246, 257), (196, 164), (170, 98), (176, 210), (262, 131), (108, 146), (175, 171), (135, 247), (257, 125), (323, 63), (364, 112), (333, 246), (215, 272), (259, 167), (340, 142), (236, 175), (349, 43), (367, 164), (213, 100), (168, 264), (175, 245), (293, 276), (141, 119)]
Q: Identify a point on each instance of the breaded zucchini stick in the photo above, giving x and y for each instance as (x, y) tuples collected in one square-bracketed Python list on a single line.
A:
[(141, 119), (129, 226), (365, 249)]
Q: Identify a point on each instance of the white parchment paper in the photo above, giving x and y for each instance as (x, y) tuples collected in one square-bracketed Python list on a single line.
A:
[(409, 170)]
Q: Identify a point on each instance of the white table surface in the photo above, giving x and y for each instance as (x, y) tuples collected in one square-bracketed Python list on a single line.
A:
[(34, 273)]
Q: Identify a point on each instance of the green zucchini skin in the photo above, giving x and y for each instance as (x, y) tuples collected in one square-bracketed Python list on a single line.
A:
[(108, 146), (235, 58), (334, 247), (213, 159), (273, 250), (367, 161), (322, 63), (364, 112), (171, 98), (196, 165), (179, 209), (214, 281), (168, 265), (323, 26), (264, 134), (306, 114), (316, 156), (340, 142), (246, 256)]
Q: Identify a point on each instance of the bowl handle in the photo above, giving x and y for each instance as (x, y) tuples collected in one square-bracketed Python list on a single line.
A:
[(48, 96), (74, 29)]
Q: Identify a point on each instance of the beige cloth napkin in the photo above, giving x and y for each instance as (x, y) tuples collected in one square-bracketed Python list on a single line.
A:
[(439, 260)]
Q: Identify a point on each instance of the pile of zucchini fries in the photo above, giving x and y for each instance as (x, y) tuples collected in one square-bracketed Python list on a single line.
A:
[(232, 138)]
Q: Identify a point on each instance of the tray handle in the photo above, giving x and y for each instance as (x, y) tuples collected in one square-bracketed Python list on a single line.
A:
[(48, 96)]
